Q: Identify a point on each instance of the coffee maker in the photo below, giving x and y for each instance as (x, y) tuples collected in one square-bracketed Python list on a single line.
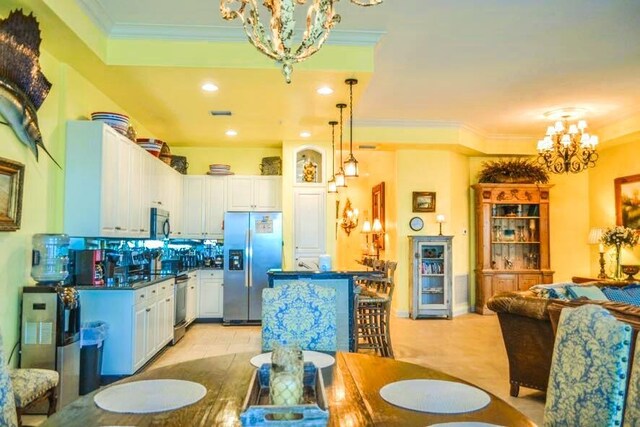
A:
[(90, 267)]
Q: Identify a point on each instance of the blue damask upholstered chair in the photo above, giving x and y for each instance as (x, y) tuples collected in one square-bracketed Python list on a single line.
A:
[(587, 383), (632, 409), (8, 415), (299, 312)]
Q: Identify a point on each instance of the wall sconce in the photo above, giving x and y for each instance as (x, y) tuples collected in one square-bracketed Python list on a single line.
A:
[(349, 218), (440, 219), (595, 236)]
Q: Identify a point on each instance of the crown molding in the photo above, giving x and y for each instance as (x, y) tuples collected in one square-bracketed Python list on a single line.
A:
[(98, 14), (388, 123), (230, 33)]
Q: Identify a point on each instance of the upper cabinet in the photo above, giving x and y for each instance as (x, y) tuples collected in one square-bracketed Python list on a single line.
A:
[(110, 184), (254, 193), (203, 212)]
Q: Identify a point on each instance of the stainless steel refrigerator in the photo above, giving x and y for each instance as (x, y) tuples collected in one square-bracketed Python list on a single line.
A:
[(252, 246)]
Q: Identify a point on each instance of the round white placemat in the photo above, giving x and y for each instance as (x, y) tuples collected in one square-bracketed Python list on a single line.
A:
[(435, 396), (321, 360), (140, 397)]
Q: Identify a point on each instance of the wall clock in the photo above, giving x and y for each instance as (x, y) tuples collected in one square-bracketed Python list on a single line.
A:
[(416, 223)]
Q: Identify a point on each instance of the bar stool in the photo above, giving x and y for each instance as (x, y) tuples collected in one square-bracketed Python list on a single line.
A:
[(373, 310)]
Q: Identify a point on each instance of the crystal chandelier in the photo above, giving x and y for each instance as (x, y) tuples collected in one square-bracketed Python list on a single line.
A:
[(567, 147), (321, 17)]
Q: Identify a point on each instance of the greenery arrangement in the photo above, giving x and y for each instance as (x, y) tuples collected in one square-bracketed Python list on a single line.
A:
[(619, 236), (520, 170)]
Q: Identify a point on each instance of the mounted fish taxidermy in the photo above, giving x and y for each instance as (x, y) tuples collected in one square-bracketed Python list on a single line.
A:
[(23, 87)]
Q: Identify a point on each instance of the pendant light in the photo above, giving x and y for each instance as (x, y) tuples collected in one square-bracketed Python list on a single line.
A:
[(331, 184), (351, 165), (340, 177)]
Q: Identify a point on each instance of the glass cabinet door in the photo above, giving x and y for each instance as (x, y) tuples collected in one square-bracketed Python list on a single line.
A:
[(515, 242), (432, 275)]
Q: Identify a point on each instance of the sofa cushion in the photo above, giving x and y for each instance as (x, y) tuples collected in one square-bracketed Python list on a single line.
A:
[(620, 295), (590, 292)]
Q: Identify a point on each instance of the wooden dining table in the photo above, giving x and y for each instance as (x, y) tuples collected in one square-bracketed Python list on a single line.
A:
[(352, 389)]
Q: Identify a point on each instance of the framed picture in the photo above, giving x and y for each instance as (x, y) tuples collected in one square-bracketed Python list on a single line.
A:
[(627, 190), (424, 201), (11, 185), (377, 211)]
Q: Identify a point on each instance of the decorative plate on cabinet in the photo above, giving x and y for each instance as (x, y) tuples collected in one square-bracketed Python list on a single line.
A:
[(416, 223)]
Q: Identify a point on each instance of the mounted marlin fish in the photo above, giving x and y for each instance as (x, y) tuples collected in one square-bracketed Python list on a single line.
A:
[(23, 87)]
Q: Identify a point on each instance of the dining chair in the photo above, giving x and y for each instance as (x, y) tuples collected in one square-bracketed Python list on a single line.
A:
[(632, 408), (302, 313), (588, 378), (27, 387)]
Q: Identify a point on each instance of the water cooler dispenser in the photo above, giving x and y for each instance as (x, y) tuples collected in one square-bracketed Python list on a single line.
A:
[(50, 325)]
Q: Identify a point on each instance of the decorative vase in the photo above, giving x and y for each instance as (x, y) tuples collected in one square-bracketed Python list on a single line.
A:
[(617, 274), (286, 376)]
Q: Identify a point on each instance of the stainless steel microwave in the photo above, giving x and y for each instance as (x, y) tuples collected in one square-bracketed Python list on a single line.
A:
[(160, 224)]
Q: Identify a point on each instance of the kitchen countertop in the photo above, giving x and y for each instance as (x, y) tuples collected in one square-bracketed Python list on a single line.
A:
[(148, 281)]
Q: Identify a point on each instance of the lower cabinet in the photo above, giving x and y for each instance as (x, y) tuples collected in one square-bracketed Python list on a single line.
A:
[(210, 294), (140, 323), (192, 297)]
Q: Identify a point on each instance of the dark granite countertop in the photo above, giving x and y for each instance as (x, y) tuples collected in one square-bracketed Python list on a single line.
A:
[(131, 285)]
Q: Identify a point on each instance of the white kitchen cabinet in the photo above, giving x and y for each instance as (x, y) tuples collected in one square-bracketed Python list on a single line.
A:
[(254, 193), (309, 231), (176, 205), (210, 294), (140, 323), (192, 297), (203, 212)]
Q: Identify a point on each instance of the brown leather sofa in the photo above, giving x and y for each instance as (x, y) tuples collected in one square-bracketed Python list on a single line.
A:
[(527, 322)]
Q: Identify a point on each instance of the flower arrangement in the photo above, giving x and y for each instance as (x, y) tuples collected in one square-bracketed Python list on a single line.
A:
[(619, 236), (518, 170)]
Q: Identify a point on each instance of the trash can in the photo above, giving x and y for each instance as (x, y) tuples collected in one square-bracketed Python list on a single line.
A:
[(92, 336)]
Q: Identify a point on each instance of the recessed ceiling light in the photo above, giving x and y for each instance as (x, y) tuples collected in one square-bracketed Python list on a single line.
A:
[(305, 134), (325, 90), (209, 87), (231, 132)]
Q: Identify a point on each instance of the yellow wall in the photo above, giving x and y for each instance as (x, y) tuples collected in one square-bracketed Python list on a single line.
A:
[(446, 174), (243, 161), (71, 97), (614, 162), (374, 167)]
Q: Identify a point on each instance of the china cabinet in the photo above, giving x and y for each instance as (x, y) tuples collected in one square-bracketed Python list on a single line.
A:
[(431, 284), (512, 239)]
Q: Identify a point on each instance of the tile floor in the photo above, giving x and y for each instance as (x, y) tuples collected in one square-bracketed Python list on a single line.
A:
[(469, 347)]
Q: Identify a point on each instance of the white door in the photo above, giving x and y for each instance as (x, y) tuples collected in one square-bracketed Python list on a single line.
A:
[(210, 298), (136, 171), (151, 332), (192, 295), (309, 233), (109, 183), (193, 209)]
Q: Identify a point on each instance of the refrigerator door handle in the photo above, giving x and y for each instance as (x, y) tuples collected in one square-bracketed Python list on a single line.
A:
[(249, 257)]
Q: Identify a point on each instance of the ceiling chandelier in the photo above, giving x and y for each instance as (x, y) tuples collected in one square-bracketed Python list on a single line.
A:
[(331, 184), (321, 17), (351, 164), (566, 146)]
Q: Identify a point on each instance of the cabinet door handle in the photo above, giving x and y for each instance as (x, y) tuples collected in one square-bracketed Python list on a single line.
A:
[(118, 228), (193, 287), (159, 202), (148, 310), (167, 300), (141, 296), (153, 292)]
